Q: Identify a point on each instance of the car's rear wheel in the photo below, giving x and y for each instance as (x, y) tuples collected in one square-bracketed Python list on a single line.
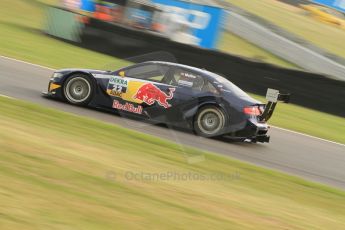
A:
[(78, 89), (209, 121)]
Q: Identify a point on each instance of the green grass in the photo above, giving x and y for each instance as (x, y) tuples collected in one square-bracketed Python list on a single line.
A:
[(21, 23), (54, 175), (308, 121), (294, 20), (20, 26), (236, 45)]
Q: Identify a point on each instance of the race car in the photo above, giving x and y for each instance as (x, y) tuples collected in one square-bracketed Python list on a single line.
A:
[(170, 93)]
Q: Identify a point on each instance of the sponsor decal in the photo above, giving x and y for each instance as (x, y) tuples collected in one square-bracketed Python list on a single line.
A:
[(187, 79), (115, 93), (117, 86), (272, 95), (185, 83), (188, 75), (150, 94), (128, 107)]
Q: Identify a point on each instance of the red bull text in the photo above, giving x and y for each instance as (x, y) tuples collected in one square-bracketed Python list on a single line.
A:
[(127, 107)]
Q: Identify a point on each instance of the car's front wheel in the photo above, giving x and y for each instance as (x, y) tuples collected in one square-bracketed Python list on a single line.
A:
[(209, 121), (78, 89)]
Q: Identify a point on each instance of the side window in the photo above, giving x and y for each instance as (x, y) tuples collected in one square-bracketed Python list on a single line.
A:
[(195, 82), (151, 72), (208, 87), (187, 79)]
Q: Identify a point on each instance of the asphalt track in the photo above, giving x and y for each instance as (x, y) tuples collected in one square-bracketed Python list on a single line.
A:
[(297, 154)]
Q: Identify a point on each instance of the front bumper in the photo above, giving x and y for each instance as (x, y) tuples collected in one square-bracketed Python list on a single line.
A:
[(54, 90), (45, 94)]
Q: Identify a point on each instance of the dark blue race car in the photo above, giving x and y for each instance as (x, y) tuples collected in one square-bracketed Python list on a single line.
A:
[(170, 93)]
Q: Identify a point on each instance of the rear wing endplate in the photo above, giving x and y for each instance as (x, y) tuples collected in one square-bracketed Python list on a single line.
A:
[(273, 96)]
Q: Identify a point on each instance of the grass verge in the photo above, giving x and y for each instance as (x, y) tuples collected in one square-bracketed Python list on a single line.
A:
[(308, 121), (60, 171), (236, 45), (21, 22)]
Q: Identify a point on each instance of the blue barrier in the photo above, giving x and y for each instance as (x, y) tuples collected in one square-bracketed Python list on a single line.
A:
[(205, 21), (335, 4), (87, 5)]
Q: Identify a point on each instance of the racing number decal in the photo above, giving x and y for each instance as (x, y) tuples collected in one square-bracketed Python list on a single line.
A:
[(117, 86)]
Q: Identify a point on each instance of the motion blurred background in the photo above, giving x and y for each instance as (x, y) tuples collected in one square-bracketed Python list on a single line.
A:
[(295, 34), (296, 46), (65, 171)]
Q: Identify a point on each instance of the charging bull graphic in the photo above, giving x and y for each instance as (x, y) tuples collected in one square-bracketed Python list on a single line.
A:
[(150, 93)]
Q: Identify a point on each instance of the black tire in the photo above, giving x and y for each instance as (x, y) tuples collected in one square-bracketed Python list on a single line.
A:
[(78, 89), (209, 121)]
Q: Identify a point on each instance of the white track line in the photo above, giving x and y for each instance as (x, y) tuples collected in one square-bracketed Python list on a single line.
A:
[(286, 130), (1, 95), (28, 63), (307, 135)]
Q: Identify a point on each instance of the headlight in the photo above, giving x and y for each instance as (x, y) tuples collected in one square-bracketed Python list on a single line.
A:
[(56, 76)]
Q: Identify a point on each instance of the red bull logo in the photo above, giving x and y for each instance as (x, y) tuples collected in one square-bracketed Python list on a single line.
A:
[(150, 93)]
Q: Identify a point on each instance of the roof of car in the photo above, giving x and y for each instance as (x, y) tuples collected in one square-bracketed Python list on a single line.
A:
[(201, 71)]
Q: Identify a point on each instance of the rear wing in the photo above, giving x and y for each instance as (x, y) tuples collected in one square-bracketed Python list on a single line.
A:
[(273, 96)]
